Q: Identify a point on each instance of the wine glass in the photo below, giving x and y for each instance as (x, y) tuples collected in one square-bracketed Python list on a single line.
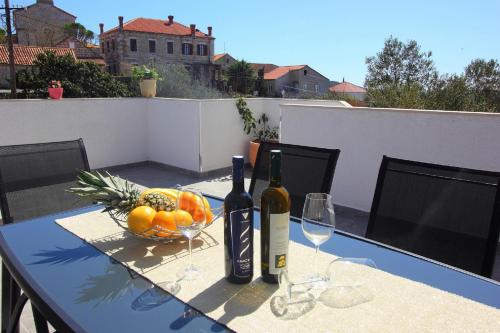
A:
[(318, 224), (190, 218)]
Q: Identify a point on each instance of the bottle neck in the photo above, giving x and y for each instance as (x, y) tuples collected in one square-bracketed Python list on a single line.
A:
[(275, 173), (238, 179)]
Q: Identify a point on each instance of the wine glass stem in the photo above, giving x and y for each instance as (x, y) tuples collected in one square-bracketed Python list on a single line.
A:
[(190, 254), (316, 262)]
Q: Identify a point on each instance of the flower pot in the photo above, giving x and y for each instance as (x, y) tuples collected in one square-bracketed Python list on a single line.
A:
[(252, 152), (55, 93), (148, 88)]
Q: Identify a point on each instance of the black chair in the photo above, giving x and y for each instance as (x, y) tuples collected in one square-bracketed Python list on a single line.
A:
[(445, 213), (33, 180), (303, 170)]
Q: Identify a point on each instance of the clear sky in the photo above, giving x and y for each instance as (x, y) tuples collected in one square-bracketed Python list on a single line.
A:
[(333, 37)]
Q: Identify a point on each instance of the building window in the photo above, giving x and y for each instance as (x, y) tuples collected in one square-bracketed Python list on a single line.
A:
[(305, 86), (152, 46), (113, 44), (187, 49), (133, 45), (107, 45), (202, 50), (305, 72), (102, 47), (316, 88), (170, 47)]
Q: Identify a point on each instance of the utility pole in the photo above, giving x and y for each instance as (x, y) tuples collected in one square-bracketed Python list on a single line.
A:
[(10, 47)]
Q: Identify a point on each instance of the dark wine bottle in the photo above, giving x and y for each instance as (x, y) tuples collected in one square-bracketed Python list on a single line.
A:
[(238, 228), (274, 219)]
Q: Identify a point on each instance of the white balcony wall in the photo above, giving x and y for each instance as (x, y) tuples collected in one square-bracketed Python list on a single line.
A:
[(113, 130), (222, 128), (364, 135), (173, 132)]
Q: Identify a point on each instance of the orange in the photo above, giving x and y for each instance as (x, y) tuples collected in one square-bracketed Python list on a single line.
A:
[(182, 218), (199, 214), (208, 210), (140, 219), (164, 220), (186, 201)]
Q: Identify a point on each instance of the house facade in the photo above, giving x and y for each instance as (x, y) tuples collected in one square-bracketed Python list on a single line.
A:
[(224, 60), (349, 90), (154, 42), (24, 57), (41, 24), (292, 80)]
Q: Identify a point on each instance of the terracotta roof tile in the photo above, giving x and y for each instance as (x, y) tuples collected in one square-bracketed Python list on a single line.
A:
[(280, 71), (347, 87), (157, 26), (267, 67), (218, 56), (26, 55)]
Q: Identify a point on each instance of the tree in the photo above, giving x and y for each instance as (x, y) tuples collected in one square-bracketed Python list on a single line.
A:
[(241, 77), (78, 31), (176, 82), (400, 64), (3, 35), (483, 77), (79, 79), (450, 92)]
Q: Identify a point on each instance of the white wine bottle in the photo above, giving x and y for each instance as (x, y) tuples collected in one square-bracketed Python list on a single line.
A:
[(275, 219)]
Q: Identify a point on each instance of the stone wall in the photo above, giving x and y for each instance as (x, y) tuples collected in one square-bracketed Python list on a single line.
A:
[(41, 24), (120, 59)]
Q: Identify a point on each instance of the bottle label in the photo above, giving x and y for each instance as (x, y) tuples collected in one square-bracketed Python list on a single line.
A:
[(278, 241), (242, 249)]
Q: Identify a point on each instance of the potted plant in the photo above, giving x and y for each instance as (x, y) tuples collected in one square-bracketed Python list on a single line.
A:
[(55, 89), (260, 129), (147, 78)]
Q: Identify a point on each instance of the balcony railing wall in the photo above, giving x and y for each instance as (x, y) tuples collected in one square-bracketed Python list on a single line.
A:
[(201, 135), (364, 135)]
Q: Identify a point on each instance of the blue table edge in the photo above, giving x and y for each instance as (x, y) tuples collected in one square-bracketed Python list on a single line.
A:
[(56, 315)]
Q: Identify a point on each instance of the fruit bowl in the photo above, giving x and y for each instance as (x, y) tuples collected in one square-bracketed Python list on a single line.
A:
[(148, 213), (157, 233)]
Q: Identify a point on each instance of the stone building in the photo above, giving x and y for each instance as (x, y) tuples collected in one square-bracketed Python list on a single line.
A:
[(154, 42), (41, 24), (352, 91), (224, 60), (293, 80)]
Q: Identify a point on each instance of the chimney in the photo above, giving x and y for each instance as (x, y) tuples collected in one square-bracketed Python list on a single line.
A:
[(170, 19), (193, 29), (209, 31), (48, 2), (120, 23), (101, 28)]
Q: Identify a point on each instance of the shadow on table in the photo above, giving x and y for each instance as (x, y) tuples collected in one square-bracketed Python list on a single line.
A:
[(104, 288), (238, 301), (65, 256)]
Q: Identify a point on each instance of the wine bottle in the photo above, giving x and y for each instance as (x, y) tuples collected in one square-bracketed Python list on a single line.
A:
[(238, 228), (274, 218)]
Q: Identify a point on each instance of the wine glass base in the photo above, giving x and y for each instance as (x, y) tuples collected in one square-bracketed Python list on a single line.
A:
[(316, 282), (189, 273), (173, 287)]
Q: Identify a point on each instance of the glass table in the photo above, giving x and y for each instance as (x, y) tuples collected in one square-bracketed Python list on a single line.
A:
[(78, 288)]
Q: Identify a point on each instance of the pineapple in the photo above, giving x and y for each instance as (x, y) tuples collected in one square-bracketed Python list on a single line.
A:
[(117, 194), (158, 201)]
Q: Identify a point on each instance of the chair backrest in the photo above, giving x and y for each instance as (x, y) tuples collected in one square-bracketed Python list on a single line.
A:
[(303, 170), (444, 213), (34, 177)]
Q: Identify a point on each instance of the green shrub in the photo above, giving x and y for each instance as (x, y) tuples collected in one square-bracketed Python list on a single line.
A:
[(79, 79)]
